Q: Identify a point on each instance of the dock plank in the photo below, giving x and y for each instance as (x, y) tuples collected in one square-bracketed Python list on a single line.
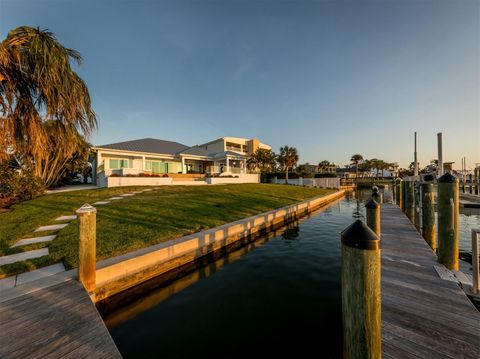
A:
[(423, 316), (54, 322)]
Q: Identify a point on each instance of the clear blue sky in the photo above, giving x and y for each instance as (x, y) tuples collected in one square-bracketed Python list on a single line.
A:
[(332, 78)]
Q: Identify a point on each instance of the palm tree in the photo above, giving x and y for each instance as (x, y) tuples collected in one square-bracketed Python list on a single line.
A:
[(356, 160), (262, 159), (288, 158), (38, 85)]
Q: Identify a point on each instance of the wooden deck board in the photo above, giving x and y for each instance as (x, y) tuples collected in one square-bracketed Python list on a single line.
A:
[(54, 322), (423, 316)]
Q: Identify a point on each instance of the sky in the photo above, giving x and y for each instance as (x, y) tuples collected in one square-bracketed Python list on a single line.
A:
[(331, 78)]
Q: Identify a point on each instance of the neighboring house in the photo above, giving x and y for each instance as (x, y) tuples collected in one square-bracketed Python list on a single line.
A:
[(347, 172), (227, 155), (314, 169)]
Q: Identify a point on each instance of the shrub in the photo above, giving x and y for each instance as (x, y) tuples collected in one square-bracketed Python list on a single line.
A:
[(165, 175), (19, 185)]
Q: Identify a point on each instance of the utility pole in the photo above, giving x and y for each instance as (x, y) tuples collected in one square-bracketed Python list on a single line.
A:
[(440, 155), (415, 163)]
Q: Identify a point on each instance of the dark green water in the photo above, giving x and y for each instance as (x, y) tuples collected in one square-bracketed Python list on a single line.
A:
[(278, 297)]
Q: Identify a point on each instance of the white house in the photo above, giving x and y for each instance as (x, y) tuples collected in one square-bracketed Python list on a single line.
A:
[(226, 155)]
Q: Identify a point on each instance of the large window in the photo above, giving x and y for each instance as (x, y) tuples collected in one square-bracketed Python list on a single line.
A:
[(117, 163), (158, 166)]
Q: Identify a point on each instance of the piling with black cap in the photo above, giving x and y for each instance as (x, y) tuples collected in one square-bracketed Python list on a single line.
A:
[(429, 227), (448, 212), (417, 207), (373, 216), (410, 200), (361, 292), (376, 195), (398, 192)]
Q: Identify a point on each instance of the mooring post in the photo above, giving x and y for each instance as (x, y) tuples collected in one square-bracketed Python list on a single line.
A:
[(428, 215), (399, 192), (275, 180), (448, 212), (361, 293), (410, 200), (300, 181), (87, 233), (471, 184), (373, 216), (475, 260), (376, 195), (417, 205)]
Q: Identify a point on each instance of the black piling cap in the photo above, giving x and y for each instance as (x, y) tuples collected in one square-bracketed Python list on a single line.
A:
[(374, 189), (358, 235), (428, 178), (372, 204), (447, 178)]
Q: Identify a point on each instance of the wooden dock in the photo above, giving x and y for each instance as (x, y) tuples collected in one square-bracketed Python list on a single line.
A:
[(423, 316), (57, 320)]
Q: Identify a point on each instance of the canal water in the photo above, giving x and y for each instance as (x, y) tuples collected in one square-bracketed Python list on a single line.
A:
[(277, 297)]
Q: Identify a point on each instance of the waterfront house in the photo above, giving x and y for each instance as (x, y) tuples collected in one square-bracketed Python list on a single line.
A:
[(225, 156)]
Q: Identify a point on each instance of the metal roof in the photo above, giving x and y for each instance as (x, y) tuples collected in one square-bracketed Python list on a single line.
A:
[(196, 151), (149, 145)]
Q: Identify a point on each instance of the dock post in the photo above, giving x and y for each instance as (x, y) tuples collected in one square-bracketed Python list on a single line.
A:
[(471, 184), (300, 181), (410, 201), (361, 292), (373, 216), (417, 206), (275, 180), (477, 180), (475, 260), (399, 192), (448, 212), (87, 233), (428, 215), (376, 195)]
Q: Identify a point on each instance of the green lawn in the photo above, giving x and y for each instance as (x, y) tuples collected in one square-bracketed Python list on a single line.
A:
[(135, 222)]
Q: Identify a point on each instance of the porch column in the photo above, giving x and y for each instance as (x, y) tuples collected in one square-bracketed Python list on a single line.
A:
[(143, 163), (244, 166), (228, 165), (183, 165)]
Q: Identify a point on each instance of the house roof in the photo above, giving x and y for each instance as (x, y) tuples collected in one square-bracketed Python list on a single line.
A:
[(149, 145), (195, 151)]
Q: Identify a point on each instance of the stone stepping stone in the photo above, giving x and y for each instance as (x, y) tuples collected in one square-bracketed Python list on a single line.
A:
[(127, 194), (137, 192), (99, 203), (27, 241), (66, 218), (51, 227), (8, 282), (40, 273), (13, 258), (111, 198)]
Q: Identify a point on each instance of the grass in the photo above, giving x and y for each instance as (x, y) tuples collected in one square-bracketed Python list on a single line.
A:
[(140, 221)]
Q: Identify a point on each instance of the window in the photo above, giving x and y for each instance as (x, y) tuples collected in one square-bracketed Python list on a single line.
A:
[(158, 166), (114, 163)]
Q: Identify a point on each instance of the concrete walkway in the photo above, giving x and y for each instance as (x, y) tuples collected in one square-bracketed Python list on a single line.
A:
[(70, 188)]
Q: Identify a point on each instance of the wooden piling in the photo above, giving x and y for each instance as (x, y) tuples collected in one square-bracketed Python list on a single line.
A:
[(471, 184), (429, 228), (87, 233), (417, 206), (410, 200), (475, 260), (361, 293), (373, 216), (399, 192), (448, 212)]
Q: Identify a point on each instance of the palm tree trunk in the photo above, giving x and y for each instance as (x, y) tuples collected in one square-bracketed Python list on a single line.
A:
[(286, 175)]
